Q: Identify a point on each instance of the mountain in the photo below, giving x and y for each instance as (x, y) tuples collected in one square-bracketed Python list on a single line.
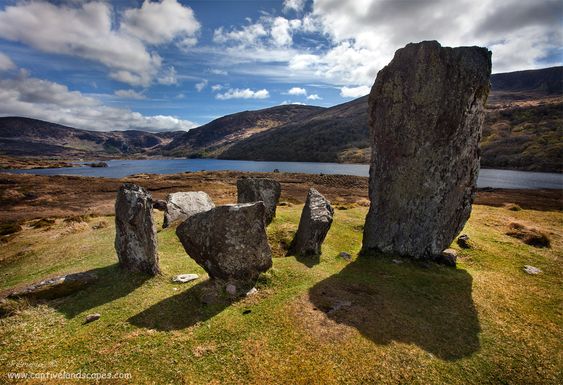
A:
[(212, 139), (523, 128), (31, 137)]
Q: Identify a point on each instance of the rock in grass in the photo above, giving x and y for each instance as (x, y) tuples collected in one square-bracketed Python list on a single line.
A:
[(183, 278), (314, 224), (56, 287), (92, 318), (181, 205), (230, 243), (260, 189), (532, 270), (448, 257), (463, 242), (344, 255), (135, 240), (426, 111)]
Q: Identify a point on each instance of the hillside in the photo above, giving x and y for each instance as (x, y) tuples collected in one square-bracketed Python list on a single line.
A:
[(213, 138), (523, 128), (31, 137)]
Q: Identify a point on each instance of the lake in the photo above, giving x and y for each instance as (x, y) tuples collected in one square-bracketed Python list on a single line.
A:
[(121, 168)]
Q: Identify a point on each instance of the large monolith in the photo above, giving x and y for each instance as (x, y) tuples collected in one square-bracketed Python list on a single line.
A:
[(426, 111), (135, 239), (230, 243), (260, 189)]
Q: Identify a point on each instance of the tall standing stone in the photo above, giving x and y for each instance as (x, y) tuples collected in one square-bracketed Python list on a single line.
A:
[(230, 243), (314, 224), (426, 111), (182, 205), (260, 189), (135, 240)]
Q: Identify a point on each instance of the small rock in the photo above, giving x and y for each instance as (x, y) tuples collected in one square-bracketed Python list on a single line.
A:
[(345, 255), (183, 278), (231, 289), (463, 241), (531, 270), (448, 257), (92, 318), (276, 170), (397, 261), (175, 289), (251, 292)]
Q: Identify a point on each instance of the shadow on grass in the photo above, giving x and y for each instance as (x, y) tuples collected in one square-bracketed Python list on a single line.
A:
[(113, 283), (181, 310), (430, 307), (309, 260)]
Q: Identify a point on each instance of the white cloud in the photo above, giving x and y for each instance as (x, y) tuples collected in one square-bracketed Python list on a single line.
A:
[(354, 92), (201, 85), (286, 102), (293, 5), (297, 91), (6, 63), (168, 76), (216, 87), (161, 22), (243, 94), (129, 94), (89, 30), (216, 71), (46, 100), (281, 32), (314, 97), (247, 35)]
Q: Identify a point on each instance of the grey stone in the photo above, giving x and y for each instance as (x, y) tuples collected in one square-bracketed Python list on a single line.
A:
[(397, 261), (183, 278), (314, 224), (135, 240), (231, 289), (426, 111), (448, 257), (345, 255), (181, 205), (56, 287), (92, 318), (463, 241), (260, 189), (532, 270), (230, 243), (251, 292)]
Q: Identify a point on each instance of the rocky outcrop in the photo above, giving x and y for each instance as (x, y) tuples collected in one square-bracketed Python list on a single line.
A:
[(426, 110), (230, 243), (314, 224), (182, 205), (260, 189), (135, 239), (56, 287)]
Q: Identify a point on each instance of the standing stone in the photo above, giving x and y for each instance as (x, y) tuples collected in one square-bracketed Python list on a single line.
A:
[(135, 240), (314, 224), (426, 111), (230, 243), (260, 189), (182, 205)]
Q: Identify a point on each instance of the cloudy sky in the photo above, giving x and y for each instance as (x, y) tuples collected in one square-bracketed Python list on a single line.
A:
[(175, 64)]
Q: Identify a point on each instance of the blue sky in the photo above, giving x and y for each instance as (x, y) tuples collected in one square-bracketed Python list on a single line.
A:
[(168, 65)]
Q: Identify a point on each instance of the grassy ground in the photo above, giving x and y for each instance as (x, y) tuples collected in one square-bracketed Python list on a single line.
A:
[(313, 321)]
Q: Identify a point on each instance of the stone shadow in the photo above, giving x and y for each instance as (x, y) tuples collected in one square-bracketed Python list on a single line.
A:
[(430, 305), (182, 310), (309, 260), (113, 283)]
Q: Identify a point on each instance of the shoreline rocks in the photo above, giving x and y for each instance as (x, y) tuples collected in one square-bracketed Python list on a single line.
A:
[(135, 239), (230, 243), (181, 205), (260, 190), (316, 219), (426, 111)]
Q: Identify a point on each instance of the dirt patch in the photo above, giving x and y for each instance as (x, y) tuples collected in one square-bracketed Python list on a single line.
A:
[(528, 235)]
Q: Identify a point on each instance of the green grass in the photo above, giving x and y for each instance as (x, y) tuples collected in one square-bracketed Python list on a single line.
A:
[(484, 322)]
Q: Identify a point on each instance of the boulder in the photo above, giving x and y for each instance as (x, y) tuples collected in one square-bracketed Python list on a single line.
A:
[(463, 242), (314, 224), (426, 111), (92, 317), (135, 240), (230, 243), (159, 205), (181, 205), (56, 287), (260, 189)]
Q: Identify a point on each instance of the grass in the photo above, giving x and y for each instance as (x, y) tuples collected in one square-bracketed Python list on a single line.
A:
[(313, 321)]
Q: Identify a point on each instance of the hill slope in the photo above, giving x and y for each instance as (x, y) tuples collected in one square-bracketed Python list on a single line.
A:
[(31, 137)]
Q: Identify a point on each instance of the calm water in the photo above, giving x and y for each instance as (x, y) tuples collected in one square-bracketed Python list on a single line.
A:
[(121, 168)]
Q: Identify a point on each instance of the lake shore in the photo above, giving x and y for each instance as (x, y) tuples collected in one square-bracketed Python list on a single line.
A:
[(25, 196)]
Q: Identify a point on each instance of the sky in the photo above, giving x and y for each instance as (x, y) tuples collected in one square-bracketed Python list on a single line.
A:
[(177, 64)]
